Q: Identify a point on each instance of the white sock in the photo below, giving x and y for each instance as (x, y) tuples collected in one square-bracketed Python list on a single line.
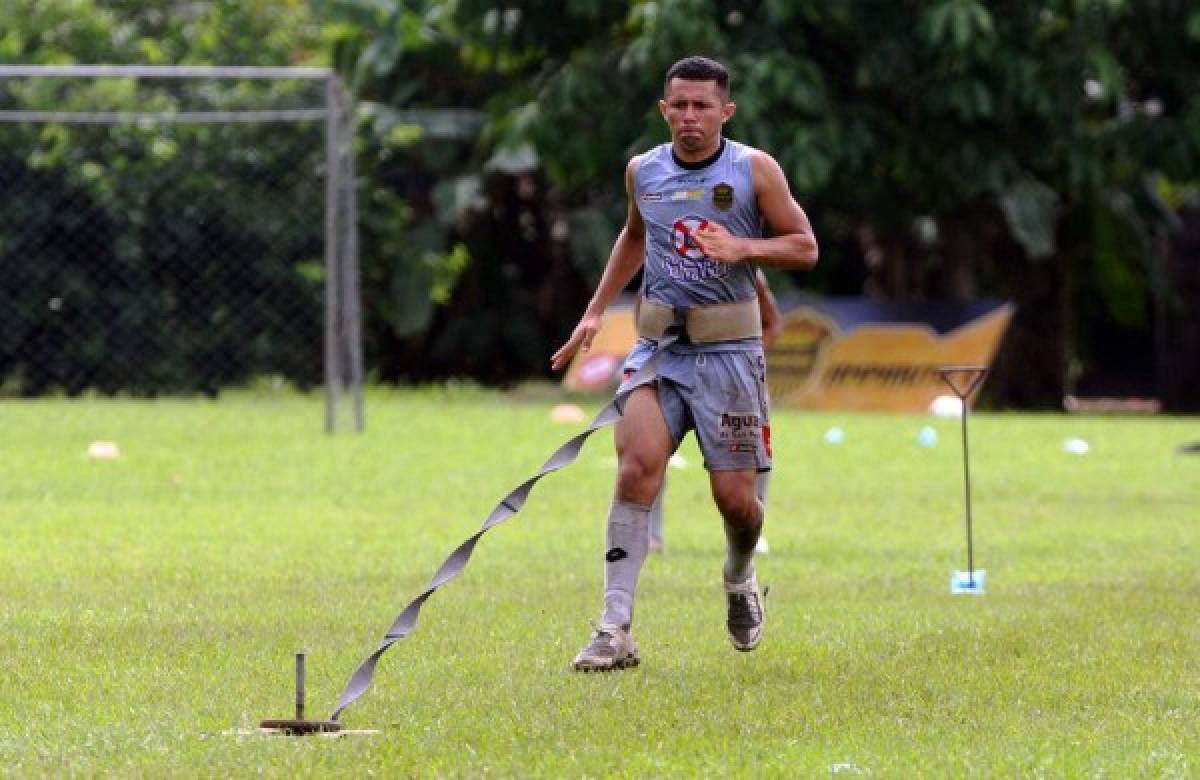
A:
[(627, 540), (761, 483), (656, 514)]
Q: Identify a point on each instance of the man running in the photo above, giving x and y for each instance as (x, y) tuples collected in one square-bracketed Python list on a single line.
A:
[(697, 207)]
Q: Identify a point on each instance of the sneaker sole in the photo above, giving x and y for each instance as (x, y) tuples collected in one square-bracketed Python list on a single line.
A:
[(624, 663)]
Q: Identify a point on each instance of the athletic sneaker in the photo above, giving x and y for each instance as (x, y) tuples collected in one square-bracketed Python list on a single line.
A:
[(747, 616), (612, 647)]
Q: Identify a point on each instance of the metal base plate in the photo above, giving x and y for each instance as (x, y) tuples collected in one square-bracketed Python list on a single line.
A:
[(293, 727), (968, 582)]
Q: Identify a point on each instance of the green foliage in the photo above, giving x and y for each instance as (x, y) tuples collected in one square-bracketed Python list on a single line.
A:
[(1030, 211), (451, 274), (994, 127), (135, 269), (254, 32), (958, 25), (132, 265), (938, 138)]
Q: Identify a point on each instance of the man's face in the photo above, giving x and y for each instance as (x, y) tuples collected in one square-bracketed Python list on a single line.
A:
[(695, 112)]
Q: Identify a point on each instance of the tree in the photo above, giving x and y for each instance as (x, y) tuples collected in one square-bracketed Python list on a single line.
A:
[(466, 269), (1018, 149), (95, 233), (1037, 150)]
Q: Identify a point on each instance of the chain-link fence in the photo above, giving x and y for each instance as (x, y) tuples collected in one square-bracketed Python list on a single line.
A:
[(173, 232)]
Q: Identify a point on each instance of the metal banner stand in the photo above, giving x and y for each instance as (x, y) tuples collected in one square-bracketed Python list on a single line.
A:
[(969, 581)]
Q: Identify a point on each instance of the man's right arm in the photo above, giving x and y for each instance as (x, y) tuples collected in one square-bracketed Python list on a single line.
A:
[(626, 258)]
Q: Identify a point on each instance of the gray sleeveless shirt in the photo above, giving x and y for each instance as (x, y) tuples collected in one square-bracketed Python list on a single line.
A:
[(674, 202)]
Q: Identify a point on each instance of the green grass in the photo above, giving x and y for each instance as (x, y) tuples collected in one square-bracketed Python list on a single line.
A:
[(151, 603)]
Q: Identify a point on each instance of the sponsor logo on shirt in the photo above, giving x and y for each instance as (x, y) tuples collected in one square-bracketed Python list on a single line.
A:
[(723, 196)]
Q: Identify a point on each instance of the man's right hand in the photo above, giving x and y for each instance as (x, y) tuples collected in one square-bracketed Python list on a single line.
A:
[(581, 340)]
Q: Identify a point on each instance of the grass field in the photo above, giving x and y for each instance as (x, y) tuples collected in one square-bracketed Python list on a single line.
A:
[(153, 602)]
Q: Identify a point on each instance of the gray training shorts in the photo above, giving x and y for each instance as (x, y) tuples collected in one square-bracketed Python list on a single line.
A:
[(722, 396)]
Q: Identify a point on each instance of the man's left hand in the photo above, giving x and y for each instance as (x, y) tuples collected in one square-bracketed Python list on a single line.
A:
[(719, 244)]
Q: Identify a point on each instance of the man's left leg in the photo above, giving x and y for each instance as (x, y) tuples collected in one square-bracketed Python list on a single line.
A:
[(730, 412), (736, 496)]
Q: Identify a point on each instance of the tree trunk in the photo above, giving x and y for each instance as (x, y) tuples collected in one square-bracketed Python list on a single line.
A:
[(1182, 358), (1030, 368)]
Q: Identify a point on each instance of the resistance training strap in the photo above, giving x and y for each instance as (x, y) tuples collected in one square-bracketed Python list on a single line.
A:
[(509, 506)]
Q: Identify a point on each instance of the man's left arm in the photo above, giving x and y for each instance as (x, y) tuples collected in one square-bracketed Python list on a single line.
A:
[(791, 244), (768, 309)]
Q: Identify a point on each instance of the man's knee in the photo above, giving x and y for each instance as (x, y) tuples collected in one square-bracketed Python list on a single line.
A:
[(643, 446), (639, 478)]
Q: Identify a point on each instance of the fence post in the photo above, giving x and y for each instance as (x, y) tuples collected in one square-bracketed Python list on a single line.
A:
[(343, 315)]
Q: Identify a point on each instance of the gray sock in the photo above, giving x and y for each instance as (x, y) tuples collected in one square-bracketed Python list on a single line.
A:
[(741, 541), (656, 514), (627, 539)]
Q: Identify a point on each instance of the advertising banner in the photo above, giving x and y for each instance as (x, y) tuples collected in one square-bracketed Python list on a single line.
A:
[(863, 354), (839, 353)]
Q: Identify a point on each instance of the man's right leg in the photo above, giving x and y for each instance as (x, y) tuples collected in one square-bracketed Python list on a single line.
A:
[(643, 446)]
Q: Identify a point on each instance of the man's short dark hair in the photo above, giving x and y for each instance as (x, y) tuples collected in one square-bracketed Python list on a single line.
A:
[(699, 69)]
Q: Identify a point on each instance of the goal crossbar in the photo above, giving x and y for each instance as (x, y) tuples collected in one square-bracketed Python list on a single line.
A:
[(167, 71), (190, 117)]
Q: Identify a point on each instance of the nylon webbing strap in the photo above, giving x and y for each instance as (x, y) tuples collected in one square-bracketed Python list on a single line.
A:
[(509, 506)]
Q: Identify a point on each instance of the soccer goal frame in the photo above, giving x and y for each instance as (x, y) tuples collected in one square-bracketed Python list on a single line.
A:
[(343, 356)]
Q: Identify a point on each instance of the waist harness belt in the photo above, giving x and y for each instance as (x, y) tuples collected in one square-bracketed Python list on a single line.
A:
[(703, 324)]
